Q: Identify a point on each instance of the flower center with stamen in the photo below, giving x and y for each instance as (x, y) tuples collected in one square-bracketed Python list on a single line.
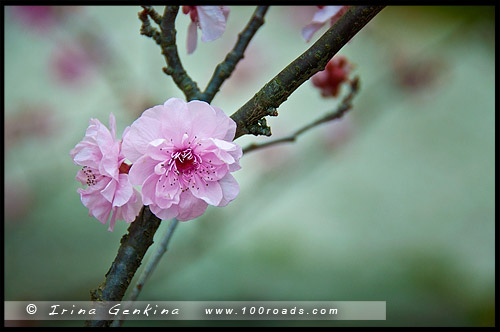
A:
[(185, 161), (91, 179)]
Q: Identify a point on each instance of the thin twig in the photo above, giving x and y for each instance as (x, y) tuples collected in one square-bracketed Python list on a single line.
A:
[(153, 14), (250, 118), (147, 29), (160, 250), (166, 38), (345, 106), (225, 68), (169, 50)]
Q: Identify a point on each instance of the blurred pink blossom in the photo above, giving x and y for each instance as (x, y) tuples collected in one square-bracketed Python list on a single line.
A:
[(183, 156), (74, 62), (329, 80), (42, 18), (210, 19), (71, 63), (321, 17), (104, 171), (413, 76)]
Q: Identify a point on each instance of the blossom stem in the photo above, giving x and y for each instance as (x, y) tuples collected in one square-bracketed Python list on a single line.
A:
[(250, 118), (345, 106), (133, 247), (225, 68), (160, 249)]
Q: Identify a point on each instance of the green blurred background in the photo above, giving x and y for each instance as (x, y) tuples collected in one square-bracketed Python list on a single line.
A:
[(395, 202)]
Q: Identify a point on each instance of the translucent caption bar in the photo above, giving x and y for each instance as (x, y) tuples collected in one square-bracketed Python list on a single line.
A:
[(196, 310)]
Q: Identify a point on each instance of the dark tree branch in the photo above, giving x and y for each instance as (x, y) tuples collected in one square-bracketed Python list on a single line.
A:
[(345, 106), (169, 50), (225, 68), (250, 118), (167, 41), (160, 249), (133, 247)]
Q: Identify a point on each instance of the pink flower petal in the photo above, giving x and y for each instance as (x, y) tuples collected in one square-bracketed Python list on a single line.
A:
[(325, 13), (129, 211), (192, 38), (141, 170), (141, 132), (149, 189), (225, 128), (109, 191), (84, 155), (190, 207), (203, 118), (212, 22), (167, 192), (114, 216), (109, 163), (174, 120), (124, 191), (210, 191), (165, 214), (309, 30), (98, 207), (230, 189)]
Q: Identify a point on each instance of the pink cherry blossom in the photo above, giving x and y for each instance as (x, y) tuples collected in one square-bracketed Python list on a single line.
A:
[(183, 156), (336, 72), (106, 175), (210, 19), (323, 15), (76, 61)]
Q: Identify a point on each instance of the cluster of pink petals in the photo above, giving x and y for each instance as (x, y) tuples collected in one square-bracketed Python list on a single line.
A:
[(321, 17), (183, 156), (329, 80), (105, 173), (210, 19)]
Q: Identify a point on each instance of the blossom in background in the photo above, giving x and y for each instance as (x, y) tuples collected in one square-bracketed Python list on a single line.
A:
[(71, 63), (323, 15), (42, 18), (210, 19), (183, 156), (336, 72), (106, 175), (76, 61)]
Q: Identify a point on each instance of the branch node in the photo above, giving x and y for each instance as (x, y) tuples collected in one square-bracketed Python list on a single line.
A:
[(260, 128), (167, 70), (314, 59), (272, 111)]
